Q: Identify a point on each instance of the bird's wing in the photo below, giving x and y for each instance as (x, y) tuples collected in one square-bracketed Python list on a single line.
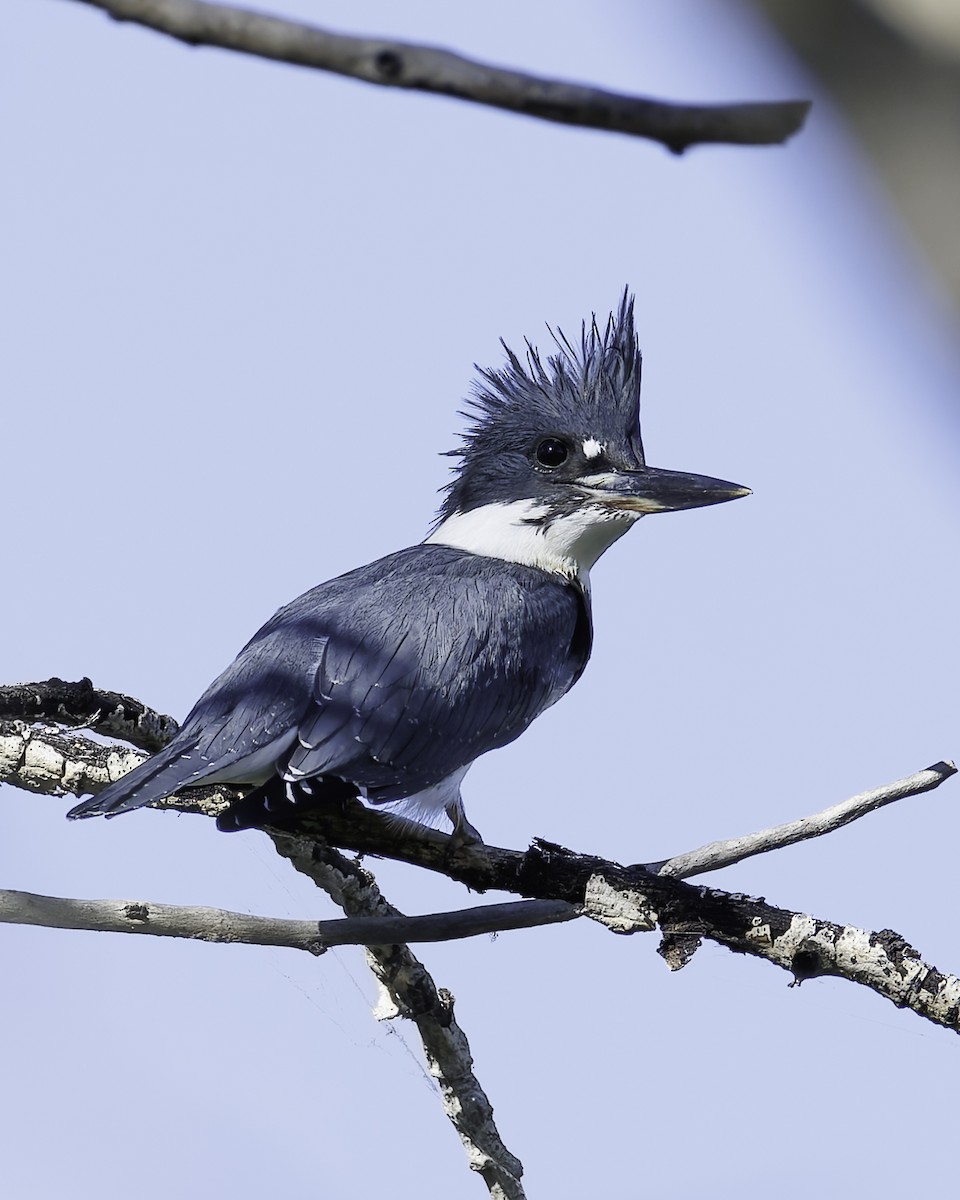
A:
[(238, 730), (241, 727), (392, 677), (448, 657)]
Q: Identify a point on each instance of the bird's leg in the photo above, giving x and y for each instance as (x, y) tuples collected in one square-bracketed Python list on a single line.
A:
[(464, 834)]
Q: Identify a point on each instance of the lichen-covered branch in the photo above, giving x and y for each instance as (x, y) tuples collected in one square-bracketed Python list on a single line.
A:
[(428, 69), (626, 898), (803, 945), (46, 760), (82, 706), (409, 991)]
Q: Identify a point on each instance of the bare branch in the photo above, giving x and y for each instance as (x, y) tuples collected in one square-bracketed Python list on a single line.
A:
[(801, 944), (40, 759), (45, 761), (221, 925), (805, 946), (83, 706), (428, 69), (410, 991), (446, 926), (714, 855), (158, 920), (626, 898)]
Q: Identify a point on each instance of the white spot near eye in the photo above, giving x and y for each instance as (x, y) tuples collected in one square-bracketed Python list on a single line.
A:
[(592, 448)]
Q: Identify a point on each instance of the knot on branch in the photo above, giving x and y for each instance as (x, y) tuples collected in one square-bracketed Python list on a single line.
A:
[(388, 64)]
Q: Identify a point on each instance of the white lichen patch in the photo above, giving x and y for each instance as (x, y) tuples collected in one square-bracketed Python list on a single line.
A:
[(385, 1007), (41, 762), (121, 762), (11, 752), (883, 962), (621, 910)]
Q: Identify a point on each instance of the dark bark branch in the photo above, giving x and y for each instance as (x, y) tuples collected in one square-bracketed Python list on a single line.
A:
[(445, 926), (804, 946), (82, 706), (427, 69)]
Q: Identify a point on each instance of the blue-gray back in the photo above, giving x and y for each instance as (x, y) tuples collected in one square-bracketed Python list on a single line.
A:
[(400, 672)]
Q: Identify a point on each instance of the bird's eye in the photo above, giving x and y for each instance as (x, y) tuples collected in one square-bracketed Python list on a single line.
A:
[(552, 452)]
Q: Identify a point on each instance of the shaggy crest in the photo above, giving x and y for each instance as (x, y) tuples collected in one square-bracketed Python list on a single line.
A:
[(590, 391)]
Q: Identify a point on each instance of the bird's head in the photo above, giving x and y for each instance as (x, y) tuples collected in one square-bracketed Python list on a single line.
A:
[(552, 469)]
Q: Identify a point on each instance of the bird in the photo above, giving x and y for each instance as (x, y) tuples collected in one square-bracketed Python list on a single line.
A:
[(388, 682)]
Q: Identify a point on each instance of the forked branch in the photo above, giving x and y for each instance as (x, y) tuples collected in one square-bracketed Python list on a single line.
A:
[(626, 898)]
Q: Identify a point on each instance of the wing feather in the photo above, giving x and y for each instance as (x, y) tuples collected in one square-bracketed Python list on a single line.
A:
[(392, 677)]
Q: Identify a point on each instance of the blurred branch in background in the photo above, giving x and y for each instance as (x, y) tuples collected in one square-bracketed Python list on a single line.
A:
[(392, 63), (893, 68)]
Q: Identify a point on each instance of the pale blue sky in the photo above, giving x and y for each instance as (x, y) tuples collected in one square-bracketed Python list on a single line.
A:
[(241, 304)]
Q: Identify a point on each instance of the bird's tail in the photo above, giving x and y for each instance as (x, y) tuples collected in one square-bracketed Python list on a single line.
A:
[(174, 767), (282, 804)]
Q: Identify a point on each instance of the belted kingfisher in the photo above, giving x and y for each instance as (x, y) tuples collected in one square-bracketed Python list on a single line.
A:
[(390, 681)]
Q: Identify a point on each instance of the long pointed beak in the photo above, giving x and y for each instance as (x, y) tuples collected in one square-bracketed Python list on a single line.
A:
[(652, 490)]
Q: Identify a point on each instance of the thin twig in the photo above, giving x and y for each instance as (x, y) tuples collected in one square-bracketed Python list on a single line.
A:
[(714, 855), (393, 63)]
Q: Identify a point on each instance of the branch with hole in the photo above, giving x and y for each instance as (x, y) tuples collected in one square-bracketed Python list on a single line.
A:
[(392, 63)]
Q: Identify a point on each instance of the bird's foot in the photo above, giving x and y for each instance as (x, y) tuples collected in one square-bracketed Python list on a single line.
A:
[(464, 834)]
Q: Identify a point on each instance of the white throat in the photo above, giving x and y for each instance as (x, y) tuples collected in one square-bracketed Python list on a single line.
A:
[(568, 545)]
